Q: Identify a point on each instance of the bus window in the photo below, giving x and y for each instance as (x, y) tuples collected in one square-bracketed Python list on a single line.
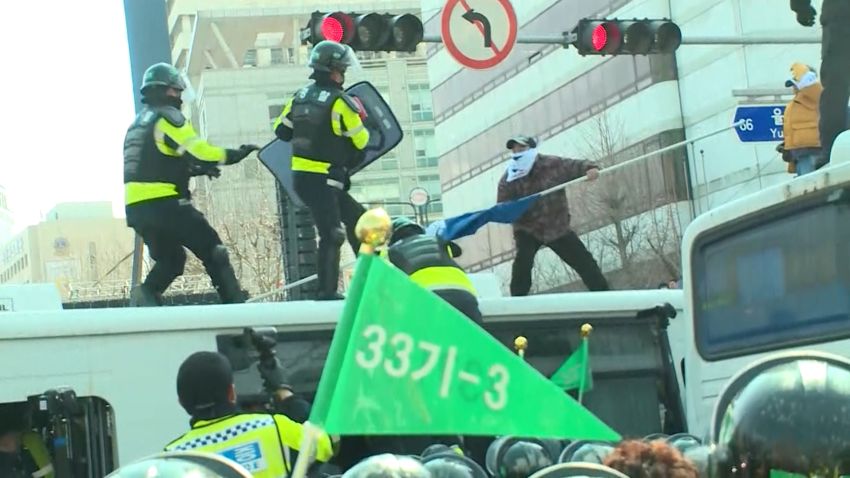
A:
[(73, 436), (777, 281)]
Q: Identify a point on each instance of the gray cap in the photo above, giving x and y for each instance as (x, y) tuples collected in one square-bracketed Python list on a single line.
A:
[(523, 140)]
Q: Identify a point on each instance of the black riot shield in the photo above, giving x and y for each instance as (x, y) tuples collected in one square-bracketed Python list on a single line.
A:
[(384, 134), (277, 158), (384, 131)]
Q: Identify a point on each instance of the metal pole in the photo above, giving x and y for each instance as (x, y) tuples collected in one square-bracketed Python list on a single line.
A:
[(567, 39), (149, 42)]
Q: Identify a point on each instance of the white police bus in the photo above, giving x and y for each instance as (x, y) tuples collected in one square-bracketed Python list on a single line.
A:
[(767, 272)]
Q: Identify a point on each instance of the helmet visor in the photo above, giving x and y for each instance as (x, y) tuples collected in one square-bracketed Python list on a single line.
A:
[(351, 60), (188, 94)]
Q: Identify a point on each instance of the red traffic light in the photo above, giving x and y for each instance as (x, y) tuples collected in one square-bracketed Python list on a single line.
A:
[(332, 29), (598, 37), (336, 26)]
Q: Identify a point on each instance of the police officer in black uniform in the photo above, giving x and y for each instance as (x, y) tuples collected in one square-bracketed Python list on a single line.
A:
[(429, 261), (326, 130), (835, 65), (162, 152)]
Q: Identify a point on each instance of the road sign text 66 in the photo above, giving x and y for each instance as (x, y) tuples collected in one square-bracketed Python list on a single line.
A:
[(746, 125)]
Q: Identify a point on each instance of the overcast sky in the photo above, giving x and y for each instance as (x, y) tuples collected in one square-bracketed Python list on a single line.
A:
[(67, 100)]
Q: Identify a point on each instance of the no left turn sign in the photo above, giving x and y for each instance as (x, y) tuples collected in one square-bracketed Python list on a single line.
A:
[(479, 34)]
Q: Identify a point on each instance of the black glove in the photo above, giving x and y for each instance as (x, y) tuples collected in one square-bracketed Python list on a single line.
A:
[(806, 15), (273, 376), (213, 172), (236, 155), (199, 168), (780, 148)]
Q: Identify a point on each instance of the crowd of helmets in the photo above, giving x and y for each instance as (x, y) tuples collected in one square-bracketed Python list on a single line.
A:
[(511, 457), (787, 415)]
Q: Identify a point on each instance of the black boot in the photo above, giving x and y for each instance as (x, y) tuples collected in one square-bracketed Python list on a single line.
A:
[(223, 278), (328, 273), (144, 296)]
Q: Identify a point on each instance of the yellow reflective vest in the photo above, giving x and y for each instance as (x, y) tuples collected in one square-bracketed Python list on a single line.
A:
[(265, 444)]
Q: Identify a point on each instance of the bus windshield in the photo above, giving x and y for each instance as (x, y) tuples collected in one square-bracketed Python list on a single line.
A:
[(779, 280)]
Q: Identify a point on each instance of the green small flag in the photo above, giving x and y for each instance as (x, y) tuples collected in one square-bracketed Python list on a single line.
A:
[(575, 373), (404, 362)]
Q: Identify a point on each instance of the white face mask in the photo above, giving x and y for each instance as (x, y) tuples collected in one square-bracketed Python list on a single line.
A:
[(521, 163)]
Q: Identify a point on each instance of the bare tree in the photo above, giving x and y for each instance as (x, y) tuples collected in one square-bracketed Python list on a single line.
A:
[(254, 244), (635, 224)]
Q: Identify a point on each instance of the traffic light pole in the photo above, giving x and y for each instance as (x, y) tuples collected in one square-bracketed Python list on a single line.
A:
[(568, 39)]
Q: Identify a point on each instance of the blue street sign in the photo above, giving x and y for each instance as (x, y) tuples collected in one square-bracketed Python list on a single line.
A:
[(761, 123)]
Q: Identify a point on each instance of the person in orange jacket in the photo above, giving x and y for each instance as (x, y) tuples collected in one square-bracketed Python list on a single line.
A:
[(802, 146)]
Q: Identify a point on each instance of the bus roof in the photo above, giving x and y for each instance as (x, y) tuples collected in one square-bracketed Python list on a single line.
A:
[(306, 315)]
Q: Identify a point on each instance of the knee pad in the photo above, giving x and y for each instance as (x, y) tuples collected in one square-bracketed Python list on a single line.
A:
[(220, 255), (336, 236), (177, 263)]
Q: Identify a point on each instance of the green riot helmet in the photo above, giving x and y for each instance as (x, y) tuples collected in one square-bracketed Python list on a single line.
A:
[(183, 464), (332, 56), (404, 227), (388, 466), (162, 75), (788, 414)]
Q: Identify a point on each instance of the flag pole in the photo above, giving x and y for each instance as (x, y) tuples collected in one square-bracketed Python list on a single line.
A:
[(520, 344), (586, 329), (374, 229)]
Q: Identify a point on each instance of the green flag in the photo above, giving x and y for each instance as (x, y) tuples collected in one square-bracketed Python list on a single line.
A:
[(403, 362), (339, 344), (575, 372)]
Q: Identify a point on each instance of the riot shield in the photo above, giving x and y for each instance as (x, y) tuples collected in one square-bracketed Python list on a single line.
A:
[(384, 134), (384, 131), (277, 158)]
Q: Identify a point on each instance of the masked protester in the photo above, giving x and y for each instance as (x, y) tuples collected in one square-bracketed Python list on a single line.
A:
[(547, 222), (326, 130)]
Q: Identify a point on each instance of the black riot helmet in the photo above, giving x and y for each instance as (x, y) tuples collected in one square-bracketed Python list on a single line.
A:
[(586, 451), (578, 470), (329, 56), (510, 457), (404, 227), (162, 75), (183, 464), (451, 465), (786, 414), (388, 466)]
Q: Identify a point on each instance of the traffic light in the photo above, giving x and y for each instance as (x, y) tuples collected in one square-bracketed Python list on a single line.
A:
[(366, 31), (626, 37)]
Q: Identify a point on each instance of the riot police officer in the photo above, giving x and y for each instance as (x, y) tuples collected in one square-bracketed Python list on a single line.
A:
[(429, 262), (162, 152), (786, 413), (264, 443), (326, 130), (835, 65)]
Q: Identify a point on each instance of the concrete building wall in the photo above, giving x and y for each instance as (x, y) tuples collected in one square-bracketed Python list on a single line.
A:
[(60, 250)]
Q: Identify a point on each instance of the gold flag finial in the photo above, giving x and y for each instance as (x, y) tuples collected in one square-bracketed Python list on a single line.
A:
[(520, 344), (373, 229), (586, 329)]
